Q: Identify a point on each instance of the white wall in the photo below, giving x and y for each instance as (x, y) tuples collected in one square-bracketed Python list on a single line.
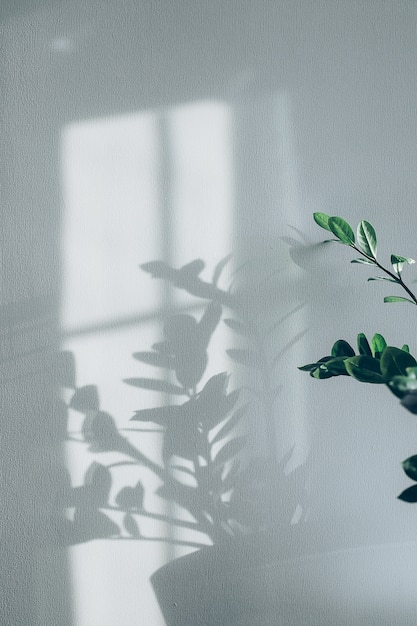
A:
[(254, 116)]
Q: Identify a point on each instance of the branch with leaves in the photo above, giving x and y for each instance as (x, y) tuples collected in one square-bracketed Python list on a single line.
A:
[(366, 246), (376, 362)]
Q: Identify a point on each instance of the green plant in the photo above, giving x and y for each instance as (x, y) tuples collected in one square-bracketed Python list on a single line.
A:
[(376, 362)]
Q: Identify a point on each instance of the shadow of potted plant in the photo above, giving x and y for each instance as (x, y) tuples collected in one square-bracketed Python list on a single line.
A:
[(239, 507)]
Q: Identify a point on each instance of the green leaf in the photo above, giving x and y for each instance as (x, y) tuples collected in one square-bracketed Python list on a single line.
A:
[(342, 348), (410, 467), (367, 238), (404, 385), (397, 299), (409, 401), (378, 345), (394, 362), (311, 366), (366, 369), (406, 348), (409, 495), (398, 386), (321, 372), (342, 230), (336, 366), (363, 345), (333, 367), (398, 262), (326, 367), (363, 261), (390, 280), (308, 368), (322, 220)]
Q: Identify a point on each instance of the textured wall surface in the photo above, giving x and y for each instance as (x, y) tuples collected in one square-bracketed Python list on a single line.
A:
[(171, 131)]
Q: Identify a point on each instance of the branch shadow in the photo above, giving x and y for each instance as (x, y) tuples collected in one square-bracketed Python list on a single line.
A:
[(233, 499)]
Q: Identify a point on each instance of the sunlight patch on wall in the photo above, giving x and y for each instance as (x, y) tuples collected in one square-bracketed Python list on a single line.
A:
[(112, 219), (137, 188), (202, 182)]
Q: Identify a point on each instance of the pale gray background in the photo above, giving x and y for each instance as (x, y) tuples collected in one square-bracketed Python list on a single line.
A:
[(322, 101)]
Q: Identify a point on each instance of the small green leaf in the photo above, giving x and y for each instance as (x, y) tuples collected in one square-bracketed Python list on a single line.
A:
[(308, 368), (365, 369), (367, 238), (336, 366), (363, 345), (322, 220), (327, 366), (398, 386), (390, 280), (394, 362), (406, 348), (342, 348), (397, 299), (378, 345), (409, 495), (363, 261), (409, 401), (321, 372), (398, 262), (342, 230), (312, 366), (330, 367), (404, 385)]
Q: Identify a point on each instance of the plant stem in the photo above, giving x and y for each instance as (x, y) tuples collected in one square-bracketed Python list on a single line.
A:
[(396, 277)]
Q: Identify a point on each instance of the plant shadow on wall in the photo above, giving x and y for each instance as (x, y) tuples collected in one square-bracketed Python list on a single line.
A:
[(234, 500)]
